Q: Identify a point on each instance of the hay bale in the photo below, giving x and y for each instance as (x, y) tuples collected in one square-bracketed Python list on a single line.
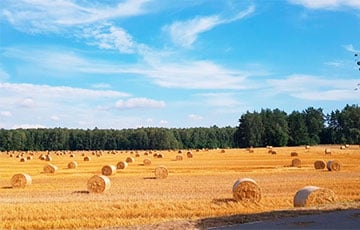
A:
[(179, 157), (328, 151), (296, 162), (42, 157), (72, 155), (294, 154), (23, 159), (342, 147), (189, 154), (246, 190), (20, 180), (333, 165), (48, 158), (29, 158), (160, 155), (122, 165), (137, 155), (313, 196), (307, 147), (222, 151), (50, 168), (161, 172), (98, 184), (72, 165), (108, 170), (87, 158), (319, 164), (147, 162), (130, 160)]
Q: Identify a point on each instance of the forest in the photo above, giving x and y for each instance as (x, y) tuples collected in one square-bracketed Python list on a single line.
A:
[(267, 127)]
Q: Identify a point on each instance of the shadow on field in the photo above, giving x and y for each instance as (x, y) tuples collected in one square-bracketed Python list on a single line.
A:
[(150, 178), (224, 201), (216, 222), (7, 187), (81, 192)]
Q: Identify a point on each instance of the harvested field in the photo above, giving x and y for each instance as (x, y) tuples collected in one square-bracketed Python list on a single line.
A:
[(196, 188)]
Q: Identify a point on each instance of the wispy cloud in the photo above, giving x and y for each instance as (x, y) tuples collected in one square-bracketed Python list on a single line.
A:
[(44, 16), (315, 88), (327, 4), (139, 103), (351, 48), (185, 33), (5, 113), (195, 117)]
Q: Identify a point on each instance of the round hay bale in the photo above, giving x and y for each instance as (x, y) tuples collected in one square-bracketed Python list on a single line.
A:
[(87, 158), (189, 154), (319, 164), (294, 154), (29, 158), (246, 190), (161, 172), (155, 155), (333, 165), (313, 196), (50, 168), (179, 157), (328, 151), (72, 155), (48, 158), (147, 161), (23, 159), (72, 165), (296, 162), (108, 170), (42, 157), (160, 155), (130, 160), (20, 180), (122, 165), (137, 154), (222, 151), (98, 184), (307, 147)]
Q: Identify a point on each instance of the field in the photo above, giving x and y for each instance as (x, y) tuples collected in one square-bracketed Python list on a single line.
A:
[(197, 188)]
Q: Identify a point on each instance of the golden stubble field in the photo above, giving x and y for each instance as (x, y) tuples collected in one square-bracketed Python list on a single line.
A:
[(196, 188)]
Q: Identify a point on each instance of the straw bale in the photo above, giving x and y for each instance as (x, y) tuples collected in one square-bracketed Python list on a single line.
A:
[(319, 164), (189, 154), (246, 190), (98, 184), (50, 168), (20, 180), (87, 158), (294, 154), (72, 165), (108, 170), (122, 165), (296, 162), (179, 157), (333, 165), (161, 172), (130, 160), (147, 161), (327, 151), (313, 196)]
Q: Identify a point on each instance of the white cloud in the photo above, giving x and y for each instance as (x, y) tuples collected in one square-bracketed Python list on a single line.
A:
[(5, 113), (55, 118), (28, 103), (315, 88), (185, 33), (351, 48), (101, 86), (4, 76), (134, 103), (28, 126), (327, 4), (195, 117), (220, 99), (39, 16)]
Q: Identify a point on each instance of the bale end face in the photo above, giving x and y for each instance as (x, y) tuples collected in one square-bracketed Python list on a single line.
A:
[(50, 168), (296, 163), (108, 170), (122, 165), (20, 180), (98, 184), (333, 165), (246, 190), (161, 172), (72, 165), (319, 164)]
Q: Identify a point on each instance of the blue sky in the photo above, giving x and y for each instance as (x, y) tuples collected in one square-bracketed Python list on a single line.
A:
[(170, 63)]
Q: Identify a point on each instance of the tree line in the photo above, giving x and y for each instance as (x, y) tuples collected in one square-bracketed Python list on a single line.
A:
[(267, 127)]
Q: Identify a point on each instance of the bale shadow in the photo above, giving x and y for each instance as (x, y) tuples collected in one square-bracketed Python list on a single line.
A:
[(7, 187), (81, 192), (224, 201), (150, 178)]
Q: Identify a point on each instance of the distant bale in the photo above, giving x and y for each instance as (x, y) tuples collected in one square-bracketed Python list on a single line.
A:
[(294, 154), (130, 160), (296, 162), (23, 159), (161, 172), (319, 164), (98, 184), (223, 151), (160, 155), (327, 151), (342, 147), (122, 165), (313, 196), (333, 165), (72, 165), (48, 158), (29, 158), (189, 154), (307, 147), (273, 152), (246, 190), (87, 158), (155, 155), (347, 146), (42, 157), (179, 157), (20, 180), (108, 170), (72, 155), (50, 168), (147, 162)]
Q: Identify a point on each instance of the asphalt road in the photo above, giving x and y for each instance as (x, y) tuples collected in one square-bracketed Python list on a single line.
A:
[(348, 219)]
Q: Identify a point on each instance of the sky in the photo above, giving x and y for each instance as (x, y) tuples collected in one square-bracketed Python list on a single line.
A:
[(118, 64)]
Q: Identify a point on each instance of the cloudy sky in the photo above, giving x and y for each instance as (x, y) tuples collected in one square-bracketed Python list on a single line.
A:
[(169, 63)]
